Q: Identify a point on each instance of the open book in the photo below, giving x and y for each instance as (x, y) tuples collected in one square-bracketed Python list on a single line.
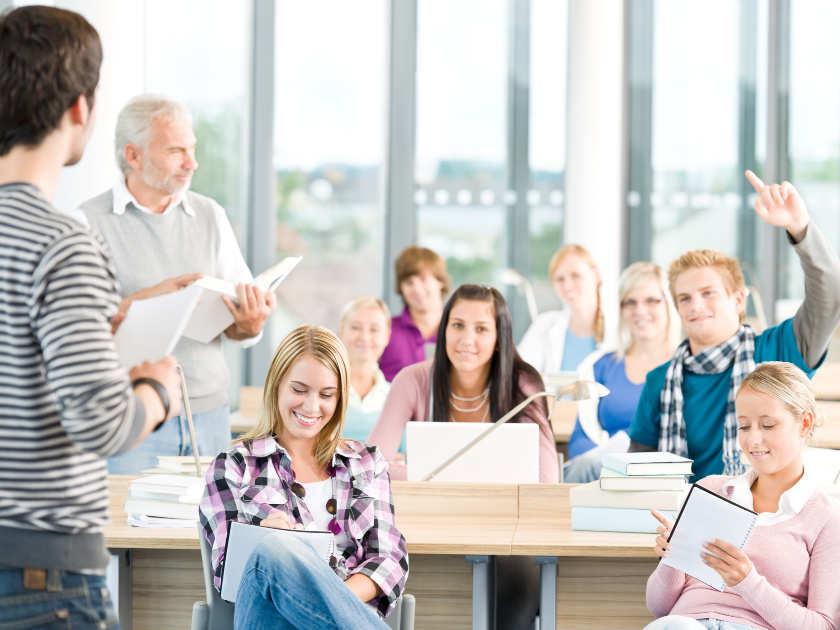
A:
[(212, 316), (243, 538), (706, 515)]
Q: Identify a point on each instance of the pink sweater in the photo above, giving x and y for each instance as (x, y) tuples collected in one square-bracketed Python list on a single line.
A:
[(792, 585), (408, 401)]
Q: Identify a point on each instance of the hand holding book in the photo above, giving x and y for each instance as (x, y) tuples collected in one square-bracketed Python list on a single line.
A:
[(731, 563), (664, 533)]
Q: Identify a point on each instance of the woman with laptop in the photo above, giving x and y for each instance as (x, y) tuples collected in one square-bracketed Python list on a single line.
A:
[(647, 330), (294, 471), (785, 576), (476, 376)]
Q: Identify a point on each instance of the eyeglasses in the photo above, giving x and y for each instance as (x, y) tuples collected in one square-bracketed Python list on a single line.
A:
[(648, 303)]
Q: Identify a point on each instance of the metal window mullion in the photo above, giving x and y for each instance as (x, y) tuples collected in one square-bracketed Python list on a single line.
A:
[(746, 234), (518, 172), (778, 167), (261, 209), (639, 72), (398, 178)]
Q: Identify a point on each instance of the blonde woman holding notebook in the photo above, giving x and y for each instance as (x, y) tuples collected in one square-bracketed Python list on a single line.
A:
[(294, 471), (784, 577)]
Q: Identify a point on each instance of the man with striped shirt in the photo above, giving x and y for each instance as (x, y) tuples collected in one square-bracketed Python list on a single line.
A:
[(65, 402)]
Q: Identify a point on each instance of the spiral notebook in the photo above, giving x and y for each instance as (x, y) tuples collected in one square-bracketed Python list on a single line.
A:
[(242, 538), (706, 515)]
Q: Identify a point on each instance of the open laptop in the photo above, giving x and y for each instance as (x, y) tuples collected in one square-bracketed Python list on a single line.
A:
[(511, 454)]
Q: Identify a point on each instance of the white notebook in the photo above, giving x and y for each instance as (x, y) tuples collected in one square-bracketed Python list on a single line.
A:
[(153, 326), (706, 515), (243, 538)]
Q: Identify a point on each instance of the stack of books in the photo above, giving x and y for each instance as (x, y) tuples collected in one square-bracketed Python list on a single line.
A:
[(631, 485), (179, 465), (164, 501)]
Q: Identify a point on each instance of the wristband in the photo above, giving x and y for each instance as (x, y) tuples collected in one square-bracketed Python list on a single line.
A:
[(161, 392)]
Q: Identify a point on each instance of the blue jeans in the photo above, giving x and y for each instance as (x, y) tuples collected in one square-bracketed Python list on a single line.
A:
[(212, 432), (675, 622), (584, 468), (287, 586), (70, 600)]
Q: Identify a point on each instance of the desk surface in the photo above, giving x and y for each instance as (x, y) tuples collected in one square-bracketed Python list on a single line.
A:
[(544, 529), (435, 518)]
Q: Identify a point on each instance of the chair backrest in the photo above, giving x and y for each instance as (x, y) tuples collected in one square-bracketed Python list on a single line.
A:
[(221, 612)]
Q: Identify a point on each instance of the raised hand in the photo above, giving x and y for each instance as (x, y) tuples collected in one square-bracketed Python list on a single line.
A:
[(780, 205), (661, 547), (731, 563)]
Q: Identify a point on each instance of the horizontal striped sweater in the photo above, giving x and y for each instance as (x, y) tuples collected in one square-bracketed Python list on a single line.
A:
[(65, 401), (792, 584)]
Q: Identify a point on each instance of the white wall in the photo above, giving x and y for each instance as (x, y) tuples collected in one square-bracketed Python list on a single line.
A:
[(121, 28), (594, 150)]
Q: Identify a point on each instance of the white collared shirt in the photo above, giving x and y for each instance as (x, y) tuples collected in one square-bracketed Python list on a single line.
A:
[(790, 503), (231, 265), (374, 400)]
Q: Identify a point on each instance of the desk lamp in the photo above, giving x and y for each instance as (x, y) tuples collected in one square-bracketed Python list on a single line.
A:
[(578, 390), (523, 285), (193, 441)]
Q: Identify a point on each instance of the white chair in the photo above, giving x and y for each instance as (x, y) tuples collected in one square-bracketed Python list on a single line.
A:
[(217, 614)]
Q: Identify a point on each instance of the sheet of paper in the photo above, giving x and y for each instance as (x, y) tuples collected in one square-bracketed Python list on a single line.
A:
[(243, 538), (705, 516), (153, 326)]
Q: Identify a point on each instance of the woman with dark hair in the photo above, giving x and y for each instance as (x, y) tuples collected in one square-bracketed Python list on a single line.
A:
[(476, 376)]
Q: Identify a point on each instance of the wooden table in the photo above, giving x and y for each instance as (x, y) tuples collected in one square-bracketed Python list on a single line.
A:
[(602, 575), (444, 524)]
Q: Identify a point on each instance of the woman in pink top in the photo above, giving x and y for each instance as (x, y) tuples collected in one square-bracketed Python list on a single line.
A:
[(785, 576), (476, 376)]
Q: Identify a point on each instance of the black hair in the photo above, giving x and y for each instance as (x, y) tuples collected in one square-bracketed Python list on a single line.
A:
[(506, 366)]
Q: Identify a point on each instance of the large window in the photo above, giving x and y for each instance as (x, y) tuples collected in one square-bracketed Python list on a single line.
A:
[(461, 135), (814, 129), (491, 139), (212, 81), (697, 122), (329, 140)]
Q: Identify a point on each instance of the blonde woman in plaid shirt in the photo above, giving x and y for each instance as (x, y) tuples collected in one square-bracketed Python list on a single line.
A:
[(293, 470)]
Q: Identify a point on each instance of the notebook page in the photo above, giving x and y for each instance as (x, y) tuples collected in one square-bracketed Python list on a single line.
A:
[(243, 538), (704, 516)]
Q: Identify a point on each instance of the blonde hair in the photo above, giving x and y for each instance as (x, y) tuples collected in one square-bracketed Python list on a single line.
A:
[(357, 304), (414, 260), (579, 251), (789, 385), (727, 267), (325, 347), (632, 278)]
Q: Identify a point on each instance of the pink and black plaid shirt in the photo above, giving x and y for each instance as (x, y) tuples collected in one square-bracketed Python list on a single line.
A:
[(250, 480)]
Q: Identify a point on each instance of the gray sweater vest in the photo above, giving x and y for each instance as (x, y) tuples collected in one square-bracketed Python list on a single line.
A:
[(148, 248)]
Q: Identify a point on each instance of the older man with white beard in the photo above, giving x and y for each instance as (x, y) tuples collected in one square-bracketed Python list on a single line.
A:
[(163, 237)]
